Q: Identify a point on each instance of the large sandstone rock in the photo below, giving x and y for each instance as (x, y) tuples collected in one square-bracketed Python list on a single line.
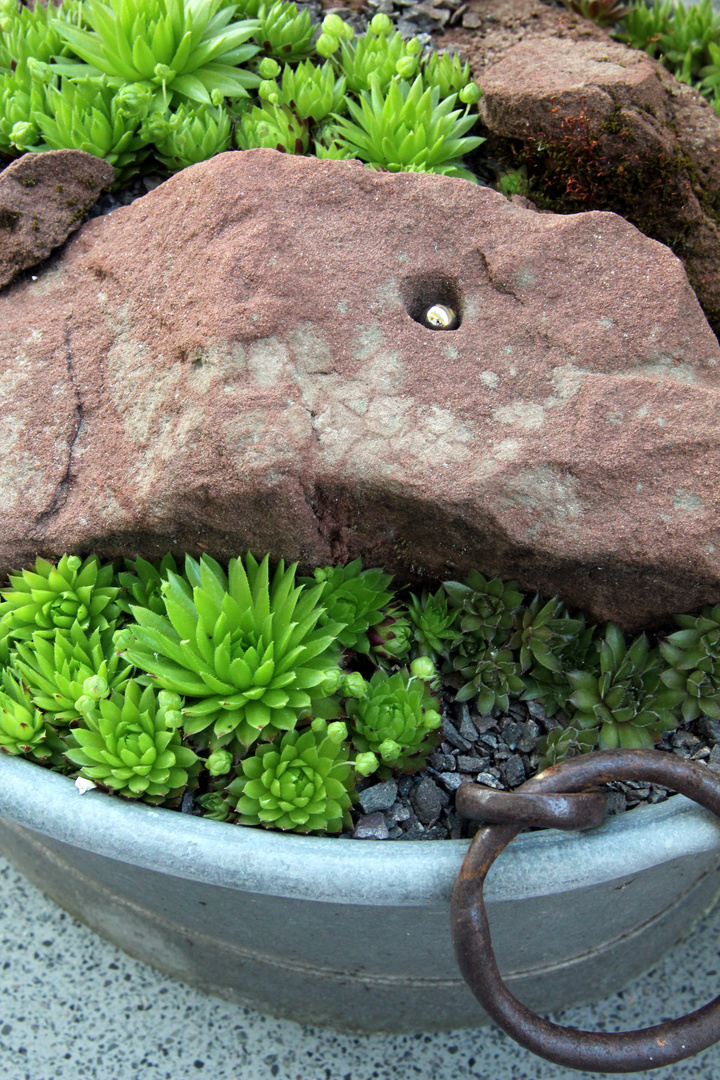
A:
[(606, 127), (238, 361), (43, 199)]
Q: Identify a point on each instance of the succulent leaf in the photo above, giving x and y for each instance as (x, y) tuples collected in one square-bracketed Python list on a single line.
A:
[(23, 729), (434, 625), (355, 597), (397, 719)]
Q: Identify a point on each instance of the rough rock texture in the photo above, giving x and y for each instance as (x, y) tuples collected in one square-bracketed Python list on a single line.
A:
[(235, 361), (43, 199), (605, 127)]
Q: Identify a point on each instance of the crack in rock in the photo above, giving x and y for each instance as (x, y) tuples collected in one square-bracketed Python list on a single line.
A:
[(62, 490)]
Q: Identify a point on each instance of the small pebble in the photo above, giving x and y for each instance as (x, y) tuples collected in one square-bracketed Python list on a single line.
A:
[(466, 727), (442, 762), (453, 736), (467, 764), (513, 772), (451, 781), (379, 796), (489, 781), (426, 800), (371, 827)]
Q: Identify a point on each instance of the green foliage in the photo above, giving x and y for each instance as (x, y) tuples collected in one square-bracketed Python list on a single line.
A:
[(283, 33), (408, 128), (693, 654), (20, 96), (273, 126), (131, 745), (22, 726), (394, 720), (391, 639), (434, 625), (625, 703), (25, 33), (55, 670), (490, 677), (141, 582), (562, 743), (550, 688), (188, 135), (447, 73), (50, 597), (601, 12), (244, 649), (373, 59), (304, 783), (355, 597), (487, 608), (310, 92), (180, 50), (541, 632)]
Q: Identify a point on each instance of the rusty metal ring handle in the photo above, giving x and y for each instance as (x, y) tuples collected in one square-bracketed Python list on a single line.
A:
[(627, 1051)]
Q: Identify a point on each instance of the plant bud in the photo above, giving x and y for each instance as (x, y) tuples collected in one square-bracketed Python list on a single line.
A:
[(74, 562), (96, 687), (219, 763), (39, 72), (380, 24), (23, 134), (269, 68), (389, 750), (168, 700), (354, 685), (365, 764), (423, 668), (217, 97), (337, 731), (326, 45), (269, 91), (85, 704), (173, 719), (413, 47), (470, 94), (432, 719), (333, 24), (164, 73), (406, 67), (331, 682), (122, 639)]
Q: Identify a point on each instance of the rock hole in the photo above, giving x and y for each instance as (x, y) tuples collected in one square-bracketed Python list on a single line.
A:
[(433, 299)]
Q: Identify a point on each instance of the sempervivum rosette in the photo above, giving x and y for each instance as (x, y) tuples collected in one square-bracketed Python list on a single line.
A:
[(393, 723), (54, 597), (304, 783), (245, 650), (22, 726), (131, 744)]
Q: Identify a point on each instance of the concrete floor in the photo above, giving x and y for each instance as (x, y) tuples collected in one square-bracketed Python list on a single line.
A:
[(72, 1006)]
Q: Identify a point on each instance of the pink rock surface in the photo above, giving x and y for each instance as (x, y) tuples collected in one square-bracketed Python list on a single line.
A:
[(234, 362)]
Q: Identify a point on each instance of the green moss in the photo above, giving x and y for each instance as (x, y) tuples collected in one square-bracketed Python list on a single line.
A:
[(9, 218), (28, 181), (35, 223)]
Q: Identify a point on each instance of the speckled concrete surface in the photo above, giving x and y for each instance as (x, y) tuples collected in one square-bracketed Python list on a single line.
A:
[(72, 1006)]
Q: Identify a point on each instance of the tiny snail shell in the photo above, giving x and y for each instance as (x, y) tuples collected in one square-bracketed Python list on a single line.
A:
[(441, 317)]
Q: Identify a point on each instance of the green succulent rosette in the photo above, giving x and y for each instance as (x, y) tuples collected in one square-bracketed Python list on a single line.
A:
[(25, 34), (489, 678), (191, 134), (394, 724), (408, 128), (283, 33), (214, 806), (275, 127), (55, 669), (541, 632), (140, 582), (626, 702), (391, 639), (372, 58), (601, 12), (247, 652), (551, 688), (53, 597), (180, 51), (305, 783), (487, 607), (562, 743), (309, 91), (355, 597), (130, 744), (447, 72), (434, 625), (693, 658), (23, 729)]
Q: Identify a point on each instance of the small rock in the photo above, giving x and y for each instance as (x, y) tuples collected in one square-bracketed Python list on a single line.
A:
[(426, 800), (397, 813), (684, 743), (713, 761), (453, 736), (467, 764), (467, 729), (471, 20), (371, 827), (489, 781), (451, 781), (435, 832), (528, 739), (442, 762), (395, 832), (415, 832), (404, 785), (615, 802), (513, 771), (709, 729), (512, 732), (489, 740), (483, 723), (379, 796)]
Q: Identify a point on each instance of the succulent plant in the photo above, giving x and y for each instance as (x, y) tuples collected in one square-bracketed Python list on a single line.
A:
[(25, 33), (131, 745), (55, 670), (434, 625), (214, 806), (625, 701), (20, 97), (693, 656), (355, 597), (551, 689), (393, 724), (562, 743), (283, 33), (447, 73), (373, 58), (390, 640), (51, 598), (540, 633), (273, 126), (643, 24), (140, 581), (305, 783), (23, 729), (179, 50), (308, 91), (333, 31), (245, 649), (408, 127), (487, 608), (489, 677), (602, 12), (188, 135)]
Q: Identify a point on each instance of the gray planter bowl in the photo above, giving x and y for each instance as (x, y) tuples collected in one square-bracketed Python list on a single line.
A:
[(355, 934)]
